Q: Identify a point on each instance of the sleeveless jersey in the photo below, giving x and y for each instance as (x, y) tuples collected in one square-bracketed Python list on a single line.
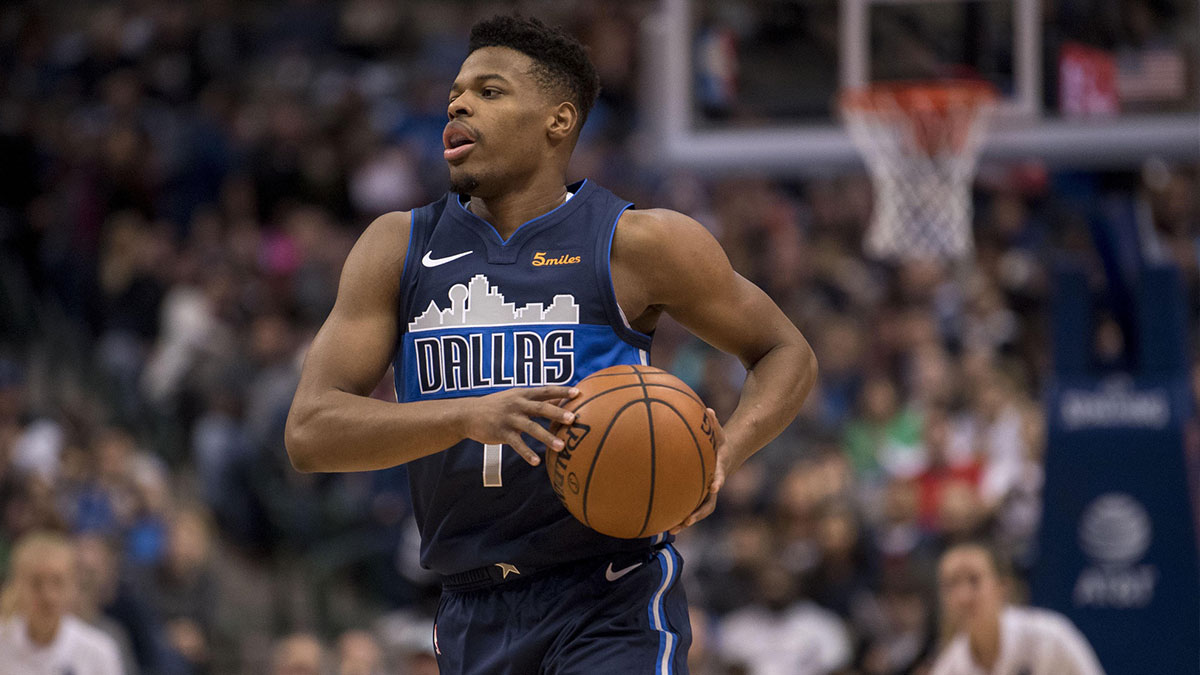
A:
[(479, 315)]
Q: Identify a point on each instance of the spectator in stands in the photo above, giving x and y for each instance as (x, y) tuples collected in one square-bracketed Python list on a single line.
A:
[(181, 587), (884, 436), (904, 633), (783, 633), (39, 635), (117, 592), (299, 654), (990, 636), (358, 653), (942, 468)]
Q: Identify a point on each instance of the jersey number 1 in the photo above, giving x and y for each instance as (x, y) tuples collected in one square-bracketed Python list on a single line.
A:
[(491, 465)]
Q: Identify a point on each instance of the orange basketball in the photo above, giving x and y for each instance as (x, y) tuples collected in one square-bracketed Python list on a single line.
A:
[(639, 456)]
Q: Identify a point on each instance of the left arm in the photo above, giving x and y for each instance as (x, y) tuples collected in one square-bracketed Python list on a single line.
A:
[(663, 261)]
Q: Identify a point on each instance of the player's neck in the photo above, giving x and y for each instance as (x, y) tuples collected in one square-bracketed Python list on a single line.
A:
[(984, 641), (509, 210)]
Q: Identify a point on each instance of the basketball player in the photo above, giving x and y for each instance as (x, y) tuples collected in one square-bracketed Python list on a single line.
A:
[(491, 303), (992, 638), (38, 633)]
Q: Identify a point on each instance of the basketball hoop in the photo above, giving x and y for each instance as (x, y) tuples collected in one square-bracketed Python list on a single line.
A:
[(921, 143)]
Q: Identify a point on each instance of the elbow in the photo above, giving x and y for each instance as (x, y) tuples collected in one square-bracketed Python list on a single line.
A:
[(810, 368), (297, 439), (807, 371)]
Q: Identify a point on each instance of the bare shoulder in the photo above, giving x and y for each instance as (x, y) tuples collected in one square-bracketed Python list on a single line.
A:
[(663, 241), (669, 255), (641, 228), (394, 219), (383, 245), (387, 236), (371, 273)]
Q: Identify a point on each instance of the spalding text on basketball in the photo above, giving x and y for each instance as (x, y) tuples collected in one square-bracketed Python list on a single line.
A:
[(707, 430), (575, 434)]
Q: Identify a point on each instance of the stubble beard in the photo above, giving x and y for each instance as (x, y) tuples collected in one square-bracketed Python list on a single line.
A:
[(465, 184)]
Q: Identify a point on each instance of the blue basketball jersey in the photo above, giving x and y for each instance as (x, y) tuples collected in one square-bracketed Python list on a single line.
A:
[(480, 314)]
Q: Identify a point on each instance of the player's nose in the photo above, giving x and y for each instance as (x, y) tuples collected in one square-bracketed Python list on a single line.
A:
[(458, 108)]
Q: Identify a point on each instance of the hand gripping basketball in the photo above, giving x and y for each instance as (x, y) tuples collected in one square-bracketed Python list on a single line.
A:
[(640, 455), (502, 417)]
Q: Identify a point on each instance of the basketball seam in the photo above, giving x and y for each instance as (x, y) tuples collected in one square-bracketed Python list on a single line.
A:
[(653, 462), (587, 484), (603, 374), (699, 451), (629, 386)]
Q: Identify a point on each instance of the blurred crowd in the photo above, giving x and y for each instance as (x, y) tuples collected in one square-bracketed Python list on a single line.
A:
[(180, 186)]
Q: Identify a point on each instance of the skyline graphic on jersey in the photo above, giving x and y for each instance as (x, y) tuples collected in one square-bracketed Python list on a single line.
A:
[(478, 303)]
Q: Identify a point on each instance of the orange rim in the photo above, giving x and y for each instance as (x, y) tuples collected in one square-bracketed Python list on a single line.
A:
[(937, 97)]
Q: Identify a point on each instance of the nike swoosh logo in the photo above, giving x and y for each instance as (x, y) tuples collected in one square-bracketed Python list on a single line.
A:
[(430, 261), (613, 576)]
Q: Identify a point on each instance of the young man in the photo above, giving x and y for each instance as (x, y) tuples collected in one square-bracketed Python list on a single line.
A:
[(993, 638), (491, 303)]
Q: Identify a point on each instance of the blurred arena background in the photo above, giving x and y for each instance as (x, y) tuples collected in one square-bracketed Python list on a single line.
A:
[(181, 181)]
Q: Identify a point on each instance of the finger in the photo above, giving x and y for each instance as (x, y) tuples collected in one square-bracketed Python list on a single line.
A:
[(718, 480), (517, 443), (703, 511), (717, 483), (541, 434), (549, 411), (709, 504), (718, 430), (549, 393)]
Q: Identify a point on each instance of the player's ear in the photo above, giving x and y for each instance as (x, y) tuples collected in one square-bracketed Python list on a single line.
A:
[(563, 121)]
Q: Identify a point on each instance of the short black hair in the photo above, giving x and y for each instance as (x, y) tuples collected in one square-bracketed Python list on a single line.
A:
[(561, 63)]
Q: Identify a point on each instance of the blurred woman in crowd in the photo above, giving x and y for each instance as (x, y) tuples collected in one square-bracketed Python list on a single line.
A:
[(989, 636), (38, 633)]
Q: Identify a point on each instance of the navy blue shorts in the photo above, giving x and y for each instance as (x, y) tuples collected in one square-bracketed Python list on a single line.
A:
[(625, 614)]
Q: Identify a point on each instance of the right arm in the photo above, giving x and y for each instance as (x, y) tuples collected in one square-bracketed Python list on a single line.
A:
[(334, 424)]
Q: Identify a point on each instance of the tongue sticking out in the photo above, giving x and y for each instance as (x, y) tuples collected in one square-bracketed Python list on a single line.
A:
[(458, 148), (457, 142)]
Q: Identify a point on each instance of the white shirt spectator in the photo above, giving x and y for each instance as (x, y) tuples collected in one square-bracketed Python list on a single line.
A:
[(78, 649), (1004, 442), (1032, 642), (803, 639)]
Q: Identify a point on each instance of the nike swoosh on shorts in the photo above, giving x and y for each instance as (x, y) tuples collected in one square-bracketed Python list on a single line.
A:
[(613, 576)]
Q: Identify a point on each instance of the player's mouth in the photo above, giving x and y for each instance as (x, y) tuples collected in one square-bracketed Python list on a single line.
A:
[(458, 140)]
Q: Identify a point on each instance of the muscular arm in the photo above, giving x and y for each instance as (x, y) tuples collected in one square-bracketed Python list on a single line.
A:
[(665, 261), (334, 425)]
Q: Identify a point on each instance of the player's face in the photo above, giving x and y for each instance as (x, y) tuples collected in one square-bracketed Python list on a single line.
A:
[(970, 588), (498, 115)]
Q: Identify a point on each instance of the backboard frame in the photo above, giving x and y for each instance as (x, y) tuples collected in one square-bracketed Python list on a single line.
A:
[(854, 46), (671, 137)]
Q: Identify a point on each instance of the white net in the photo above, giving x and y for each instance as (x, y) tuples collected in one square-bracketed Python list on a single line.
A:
[(921, 145)]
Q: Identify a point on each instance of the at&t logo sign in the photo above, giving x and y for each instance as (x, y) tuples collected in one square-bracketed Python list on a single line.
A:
[(1115, 532)]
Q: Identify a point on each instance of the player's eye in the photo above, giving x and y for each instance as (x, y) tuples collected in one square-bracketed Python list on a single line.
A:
[(490, 92)]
